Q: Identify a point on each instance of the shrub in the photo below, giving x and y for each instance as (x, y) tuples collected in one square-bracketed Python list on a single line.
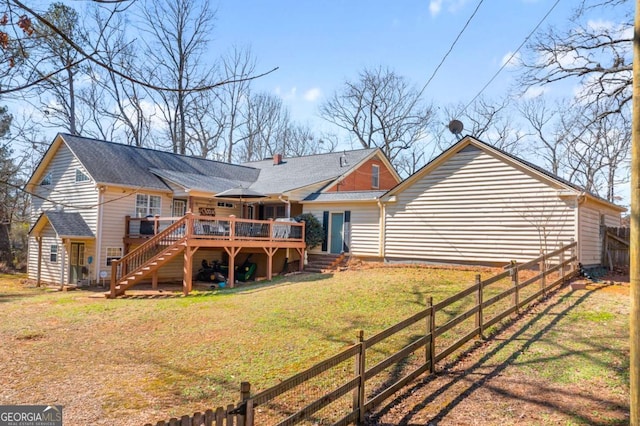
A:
[(314, 233)]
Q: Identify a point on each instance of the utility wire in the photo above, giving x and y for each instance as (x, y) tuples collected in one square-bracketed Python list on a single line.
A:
[(451, 47), (511, 57)]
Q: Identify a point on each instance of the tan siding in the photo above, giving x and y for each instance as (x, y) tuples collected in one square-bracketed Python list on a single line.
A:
[(119, 203), (590, 233), (365, 225), (476, 208)]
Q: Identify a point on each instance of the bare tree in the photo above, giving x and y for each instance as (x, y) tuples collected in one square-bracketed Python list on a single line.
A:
[(237, 62), (593, 51), (551, 130), (113, 97), (176, 39), (599, 150), (51, 52), (265, 123), (381, 109), (490, 121), (206, 127)]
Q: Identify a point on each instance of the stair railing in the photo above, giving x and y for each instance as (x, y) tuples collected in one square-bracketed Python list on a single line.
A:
[(149, 249)]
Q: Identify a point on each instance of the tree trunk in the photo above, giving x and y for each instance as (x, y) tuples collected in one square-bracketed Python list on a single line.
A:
[(6, 256)]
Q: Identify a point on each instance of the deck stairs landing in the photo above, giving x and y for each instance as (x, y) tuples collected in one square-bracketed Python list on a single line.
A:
[(324, 262)]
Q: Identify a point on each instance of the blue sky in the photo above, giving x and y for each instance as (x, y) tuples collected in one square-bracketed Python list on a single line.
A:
[(319, 44)]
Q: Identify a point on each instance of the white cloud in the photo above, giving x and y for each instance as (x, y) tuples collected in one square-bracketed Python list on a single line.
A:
[(435, 6), (288, 94), (510, 60), (535, 91), (452, 6), (312, 95)]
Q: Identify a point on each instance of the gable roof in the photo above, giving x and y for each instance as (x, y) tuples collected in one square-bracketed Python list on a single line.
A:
[(131, 166), (299, 172), (470, 141), (66, 225), (111, 163)]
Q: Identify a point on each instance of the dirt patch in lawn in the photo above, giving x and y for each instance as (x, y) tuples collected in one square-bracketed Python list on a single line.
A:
[(565, 361)]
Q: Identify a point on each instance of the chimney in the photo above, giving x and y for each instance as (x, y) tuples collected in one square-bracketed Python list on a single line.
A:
[(277, 159)]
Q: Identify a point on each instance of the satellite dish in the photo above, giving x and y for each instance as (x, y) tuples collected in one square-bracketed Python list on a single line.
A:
[(456, 127)]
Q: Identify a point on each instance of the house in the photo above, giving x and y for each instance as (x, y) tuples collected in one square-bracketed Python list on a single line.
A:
[(109, 213), (477, 204)]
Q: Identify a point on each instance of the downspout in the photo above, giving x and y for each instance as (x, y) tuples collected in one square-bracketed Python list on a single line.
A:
[(63, 261), (580, 198), (381, 239), (288, 203), (98, 250)]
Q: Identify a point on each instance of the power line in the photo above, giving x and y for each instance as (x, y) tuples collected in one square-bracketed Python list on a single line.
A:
[(451, 47), (511, 57)]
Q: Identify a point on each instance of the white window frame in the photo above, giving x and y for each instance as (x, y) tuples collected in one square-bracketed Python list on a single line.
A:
[(375, 176), (143, 206), (53, 253), (47, 179), (110, 257), (81, 176)]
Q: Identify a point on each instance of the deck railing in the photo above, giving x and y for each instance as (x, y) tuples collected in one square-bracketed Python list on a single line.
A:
[(218, 228)]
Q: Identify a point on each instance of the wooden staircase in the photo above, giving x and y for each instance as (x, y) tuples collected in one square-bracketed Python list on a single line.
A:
[(324, 262), (147, 258)]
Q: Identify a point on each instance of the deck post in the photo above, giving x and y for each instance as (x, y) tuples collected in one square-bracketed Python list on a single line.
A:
[(187, 279), (232, 251), (154, 280), (270, 251)]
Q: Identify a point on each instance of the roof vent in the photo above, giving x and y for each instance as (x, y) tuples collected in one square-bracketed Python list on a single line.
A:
[(277, 159), (343, 159)]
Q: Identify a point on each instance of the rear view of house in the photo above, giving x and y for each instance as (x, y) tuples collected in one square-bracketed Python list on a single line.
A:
[(98, 206)]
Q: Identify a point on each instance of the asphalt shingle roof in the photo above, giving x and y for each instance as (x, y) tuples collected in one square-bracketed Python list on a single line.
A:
[(114, 163), (298, 172), (345, 196), (68, 224)]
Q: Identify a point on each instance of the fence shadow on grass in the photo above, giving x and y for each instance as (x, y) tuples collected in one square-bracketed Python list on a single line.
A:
[(470, 373)]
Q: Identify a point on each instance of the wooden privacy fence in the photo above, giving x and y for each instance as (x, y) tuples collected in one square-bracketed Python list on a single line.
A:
[(342, 388), (615, 247)]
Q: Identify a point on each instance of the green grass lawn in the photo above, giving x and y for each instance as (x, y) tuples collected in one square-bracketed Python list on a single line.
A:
[(136, 360)]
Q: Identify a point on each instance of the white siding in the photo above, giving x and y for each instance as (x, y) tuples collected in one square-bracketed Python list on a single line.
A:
[(476, 208), (81, 197), (50, 271), (590, 251), (365, 226)]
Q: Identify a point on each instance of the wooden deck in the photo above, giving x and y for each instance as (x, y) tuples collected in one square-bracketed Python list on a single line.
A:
[(159, 240)]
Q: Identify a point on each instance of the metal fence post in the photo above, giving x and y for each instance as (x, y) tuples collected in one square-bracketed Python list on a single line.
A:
[(561, 260), (479, 320), (543, 279), (360, 365), (514, 280)]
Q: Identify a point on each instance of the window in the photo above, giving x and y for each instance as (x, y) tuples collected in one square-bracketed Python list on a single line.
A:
[(147, 205), (227, 205), (53, 253), (274, 211), (80, 176), (375, 176), (47, 179), (113, 253)]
